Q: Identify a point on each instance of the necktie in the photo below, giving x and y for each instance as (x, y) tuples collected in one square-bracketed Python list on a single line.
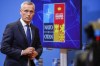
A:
[(28, 35)]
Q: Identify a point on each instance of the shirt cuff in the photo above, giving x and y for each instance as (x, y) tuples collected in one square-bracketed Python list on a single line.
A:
[(21, 52)]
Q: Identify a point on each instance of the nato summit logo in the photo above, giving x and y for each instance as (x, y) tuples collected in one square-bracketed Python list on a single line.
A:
[(54, 22)]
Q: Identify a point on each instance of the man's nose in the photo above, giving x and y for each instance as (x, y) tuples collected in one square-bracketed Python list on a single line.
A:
[(28, 13)]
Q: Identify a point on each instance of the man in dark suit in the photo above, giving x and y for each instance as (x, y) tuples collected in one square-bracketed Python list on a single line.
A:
[(21, 41)]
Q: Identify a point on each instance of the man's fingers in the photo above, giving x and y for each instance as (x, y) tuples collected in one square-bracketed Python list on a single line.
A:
[(28, 50), (33, 55), (31, 48)]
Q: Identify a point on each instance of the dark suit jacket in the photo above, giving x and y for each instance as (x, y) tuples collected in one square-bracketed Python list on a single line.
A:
[(14, 41)]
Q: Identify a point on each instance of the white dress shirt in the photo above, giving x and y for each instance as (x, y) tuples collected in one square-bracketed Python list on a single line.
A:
[(25, 27)]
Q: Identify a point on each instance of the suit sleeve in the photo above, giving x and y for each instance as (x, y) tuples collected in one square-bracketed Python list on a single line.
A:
[(7, 43), (38, 45)]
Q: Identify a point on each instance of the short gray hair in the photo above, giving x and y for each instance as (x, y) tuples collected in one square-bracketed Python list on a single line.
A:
[(28, 3)]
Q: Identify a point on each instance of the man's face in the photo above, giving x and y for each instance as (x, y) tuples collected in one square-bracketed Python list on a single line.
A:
[(27, 12)]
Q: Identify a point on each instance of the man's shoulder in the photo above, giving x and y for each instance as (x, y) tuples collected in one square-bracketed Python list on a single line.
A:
[(34, 27), (13, 24)]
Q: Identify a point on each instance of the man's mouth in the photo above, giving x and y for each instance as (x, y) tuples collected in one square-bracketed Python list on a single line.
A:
[(28, 18)]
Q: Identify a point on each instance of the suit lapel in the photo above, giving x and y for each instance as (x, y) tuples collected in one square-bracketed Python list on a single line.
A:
[(33, 32), (21, 29)]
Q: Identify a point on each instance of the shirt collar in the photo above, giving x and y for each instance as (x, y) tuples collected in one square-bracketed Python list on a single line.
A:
[(23, 23)]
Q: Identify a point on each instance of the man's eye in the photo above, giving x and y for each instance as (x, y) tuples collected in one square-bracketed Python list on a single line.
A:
[(31, 11), (26, 11)]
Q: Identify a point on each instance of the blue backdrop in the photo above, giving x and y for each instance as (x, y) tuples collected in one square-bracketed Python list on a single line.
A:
[(72, 23)]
